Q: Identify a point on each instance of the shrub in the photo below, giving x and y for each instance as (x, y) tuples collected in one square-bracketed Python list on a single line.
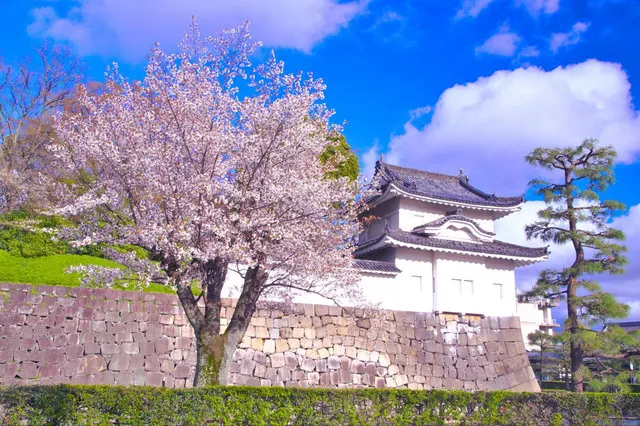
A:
[(97, 405)]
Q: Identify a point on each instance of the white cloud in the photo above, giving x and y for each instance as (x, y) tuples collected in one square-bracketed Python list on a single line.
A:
[(529, 52), (570, 38), (625, 287), (503, 43), (369, 158), (536, 7), (419, 112), (488, 126), (472, 8), (129, 28)]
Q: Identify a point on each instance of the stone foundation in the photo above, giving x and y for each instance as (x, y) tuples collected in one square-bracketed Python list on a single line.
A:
[(78, 335)]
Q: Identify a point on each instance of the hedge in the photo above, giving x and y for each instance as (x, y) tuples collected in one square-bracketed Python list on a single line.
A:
[(108, 405), (561, 385)]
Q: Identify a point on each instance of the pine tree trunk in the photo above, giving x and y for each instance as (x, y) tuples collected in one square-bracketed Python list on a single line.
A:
[(575, 351), (575, 345)]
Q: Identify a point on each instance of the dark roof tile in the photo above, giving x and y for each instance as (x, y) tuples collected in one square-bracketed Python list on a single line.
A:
[(375, 266), (440, 186), (494, 247)]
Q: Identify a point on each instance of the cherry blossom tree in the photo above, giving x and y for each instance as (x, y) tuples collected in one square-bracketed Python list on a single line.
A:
[(211, 162)]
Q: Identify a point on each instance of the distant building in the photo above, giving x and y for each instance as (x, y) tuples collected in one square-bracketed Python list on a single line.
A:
[(536, 316), (627, 325)]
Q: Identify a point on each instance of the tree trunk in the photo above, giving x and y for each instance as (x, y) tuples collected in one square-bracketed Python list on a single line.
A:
[(209, 352), (575, 344), (575, 351), (214, 350)]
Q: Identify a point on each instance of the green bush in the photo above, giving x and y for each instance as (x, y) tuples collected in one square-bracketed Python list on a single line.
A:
[(26, 235), (105, 405), (560, 385)]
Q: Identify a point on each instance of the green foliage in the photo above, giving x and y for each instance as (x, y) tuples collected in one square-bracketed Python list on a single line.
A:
[(20, 242), (575, 215), (27, 235), (50, 270), (339, 154), (106, 405), (559, 385)]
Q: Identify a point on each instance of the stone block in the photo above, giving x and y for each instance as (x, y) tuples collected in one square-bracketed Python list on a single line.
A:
[(93, 364), (358, 367), (109, 348), (104, 378), (401, 379), (384, 360), (147, 348), (28, 370), (269, 346), (183, 343), (514, 322), (136, 363), (119, 362), (130, 348), (181, 371), (321, 365), (282, 345), (247, 366), (437, 371), (257, 344), (74, 351), (262, 332), (278, 359), (163, 345), (52, 356), (308, 365)]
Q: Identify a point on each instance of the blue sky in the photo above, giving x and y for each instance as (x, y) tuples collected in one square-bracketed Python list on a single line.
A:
[(439, 85)]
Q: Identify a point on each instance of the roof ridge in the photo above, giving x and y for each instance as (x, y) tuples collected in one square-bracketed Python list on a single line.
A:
[(448, 217), (414, 180), (423, 172)]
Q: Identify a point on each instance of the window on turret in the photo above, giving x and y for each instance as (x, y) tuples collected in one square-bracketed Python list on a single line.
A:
[(465, 287), (497, 291), (416, 282)]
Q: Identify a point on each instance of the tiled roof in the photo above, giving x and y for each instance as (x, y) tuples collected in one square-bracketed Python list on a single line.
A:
[(444, 219), (495, 247), (376, 266), (440, 186)]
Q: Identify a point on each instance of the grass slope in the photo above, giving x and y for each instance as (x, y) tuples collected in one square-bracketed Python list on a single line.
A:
[(50, 270)]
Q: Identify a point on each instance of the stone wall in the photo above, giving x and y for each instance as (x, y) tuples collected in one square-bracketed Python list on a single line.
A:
[(78, 335)]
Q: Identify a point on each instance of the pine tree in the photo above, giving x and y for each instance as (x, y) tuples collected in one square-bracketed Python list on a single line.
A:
[(575, 215)]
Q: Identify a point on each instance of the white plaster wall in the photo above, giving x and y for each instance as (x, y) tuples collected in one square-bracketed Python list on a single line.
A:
[(385, 291), (483, 273), (448, 296), (501, 271), (414, 285), (387, 211), (414, 213), (484, 218)]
